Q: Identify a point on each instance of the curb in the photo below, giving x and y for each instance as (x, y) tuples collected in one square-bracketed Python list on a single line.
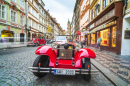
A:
[(109, 75), (11, 47)]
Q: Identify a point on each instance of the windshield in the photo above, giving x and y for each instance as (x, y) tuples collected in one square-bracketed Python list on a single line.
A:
[(64, 38)]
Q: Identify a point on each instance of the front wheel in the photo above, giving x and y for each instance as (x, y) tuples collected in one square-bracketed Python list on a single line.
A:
[(44, 60), (87, 65)]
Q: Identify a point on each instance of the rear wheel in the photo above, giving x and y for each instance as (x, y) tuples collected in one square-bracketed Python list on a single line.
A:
[(36, 44), (27, 45), (87, 65), (44, 60)]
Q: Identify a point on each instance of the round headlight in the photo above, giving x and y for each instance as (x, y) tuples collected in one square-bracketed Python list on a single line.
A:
[(54, 45), (78, 46)]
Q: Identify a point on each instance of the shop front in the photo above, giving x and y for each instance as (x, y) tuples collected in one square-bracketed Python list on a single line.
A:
[(109, 28), (8, 35)]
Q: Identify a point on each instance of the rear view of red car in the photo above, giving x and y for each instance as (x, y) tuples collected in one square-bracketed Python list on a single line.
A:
[(36, 42)]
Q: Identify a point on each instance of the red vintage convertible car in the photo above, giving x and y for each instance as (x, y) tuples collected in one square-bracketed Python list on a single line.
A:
[(36, 42), (63, 57)]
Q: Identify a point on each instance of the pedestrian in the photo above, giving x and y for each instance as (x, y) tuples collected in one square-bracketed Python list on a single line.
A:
[(3, 40), (83, 42), (98, 43), (86, 41)]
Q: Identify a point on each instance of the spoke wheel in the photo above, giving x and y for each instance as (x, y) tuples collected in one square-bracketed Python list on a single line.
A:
[(44, 60)]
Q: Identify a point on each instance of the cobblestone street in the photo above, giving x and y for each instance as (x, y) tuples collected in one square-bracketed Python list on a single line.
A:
[(14, 71)]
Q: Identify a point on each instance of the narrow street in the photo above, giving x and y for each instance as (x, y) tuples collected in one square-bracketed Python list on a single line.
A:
[(14, 71)]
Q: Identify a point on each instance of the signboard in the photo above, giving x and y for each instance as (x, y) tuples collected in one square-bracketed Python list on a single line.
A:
[(127, 34), (105, 17), (78, 33), (48, 29)]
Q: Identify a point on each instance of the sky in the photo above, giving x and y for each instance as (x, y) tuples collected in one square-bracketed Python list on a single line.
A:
[(62, 10)]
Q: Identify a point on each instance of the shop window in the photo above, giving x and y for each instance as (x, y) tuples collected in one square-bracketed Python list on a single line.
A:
[(104, 34), (2, 12), (89, 39), (92, 38), (114, 36), (13, 16), (97, 35)]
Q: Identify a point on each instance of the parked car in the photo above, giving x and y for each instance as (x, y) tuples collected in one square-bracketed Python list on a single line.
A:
[(36, 42), (63, 57)]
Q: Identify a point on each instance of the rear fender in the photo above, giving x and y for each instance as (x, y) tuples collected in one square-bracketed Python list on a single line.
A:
[(47, 50), (83, 53)]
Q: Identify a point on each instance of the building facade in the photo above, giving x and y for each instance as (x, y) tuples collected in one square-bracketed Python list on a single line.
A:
[(125, 44), (33, 19), (13, 20), (42, 19), (84, 17), (106, 17), (76, 17)]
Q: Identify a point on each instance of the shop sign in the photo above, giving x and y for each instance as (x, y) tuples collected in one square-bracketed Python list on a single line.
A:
[(105, 17), (8, 28), (111, 23), (92, 25)]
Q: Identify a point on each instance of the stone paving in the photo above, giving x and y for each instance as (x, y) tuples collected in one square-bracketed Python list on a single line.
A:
[(14, 71), (118, 64)]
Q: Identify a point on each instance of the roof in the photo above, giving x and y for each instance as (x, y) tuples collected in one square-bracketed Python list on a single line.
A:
[(68, 21)]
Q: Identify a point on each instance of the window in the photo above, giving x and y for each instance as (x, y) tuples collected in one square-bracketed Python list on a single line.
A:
[(2, 12), (37, 25), (22, 20), (104, 3), (95, 10), (92, 38), (32, 24), (87, 16), (111, 0), (92, 14), (22, 3), (89, 39), (114, 36), (104, 34), (29, 22), (14, 0), (29, 9), (13, 16)]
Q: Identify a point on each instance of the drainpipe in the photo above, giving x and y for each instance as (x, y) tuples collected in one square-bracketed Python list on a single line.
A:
[(26, 19), (125, 5)]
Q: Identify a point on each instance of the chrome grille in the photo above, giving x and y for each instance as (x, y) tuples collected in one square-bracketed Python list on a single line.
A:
[(65, 53)]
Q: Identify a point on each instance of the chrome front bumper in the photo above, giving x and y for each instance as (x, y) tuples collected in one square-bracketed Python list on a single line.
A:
[(51, 70)]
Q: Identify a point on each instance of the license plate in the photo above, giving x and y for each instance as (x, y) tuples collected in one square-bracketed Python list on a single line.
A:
[(64, 72)]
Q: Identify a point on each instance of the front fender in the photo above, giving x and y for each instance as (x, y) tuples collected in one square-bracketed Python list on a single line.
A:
[(83, 53), (47, 50)]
